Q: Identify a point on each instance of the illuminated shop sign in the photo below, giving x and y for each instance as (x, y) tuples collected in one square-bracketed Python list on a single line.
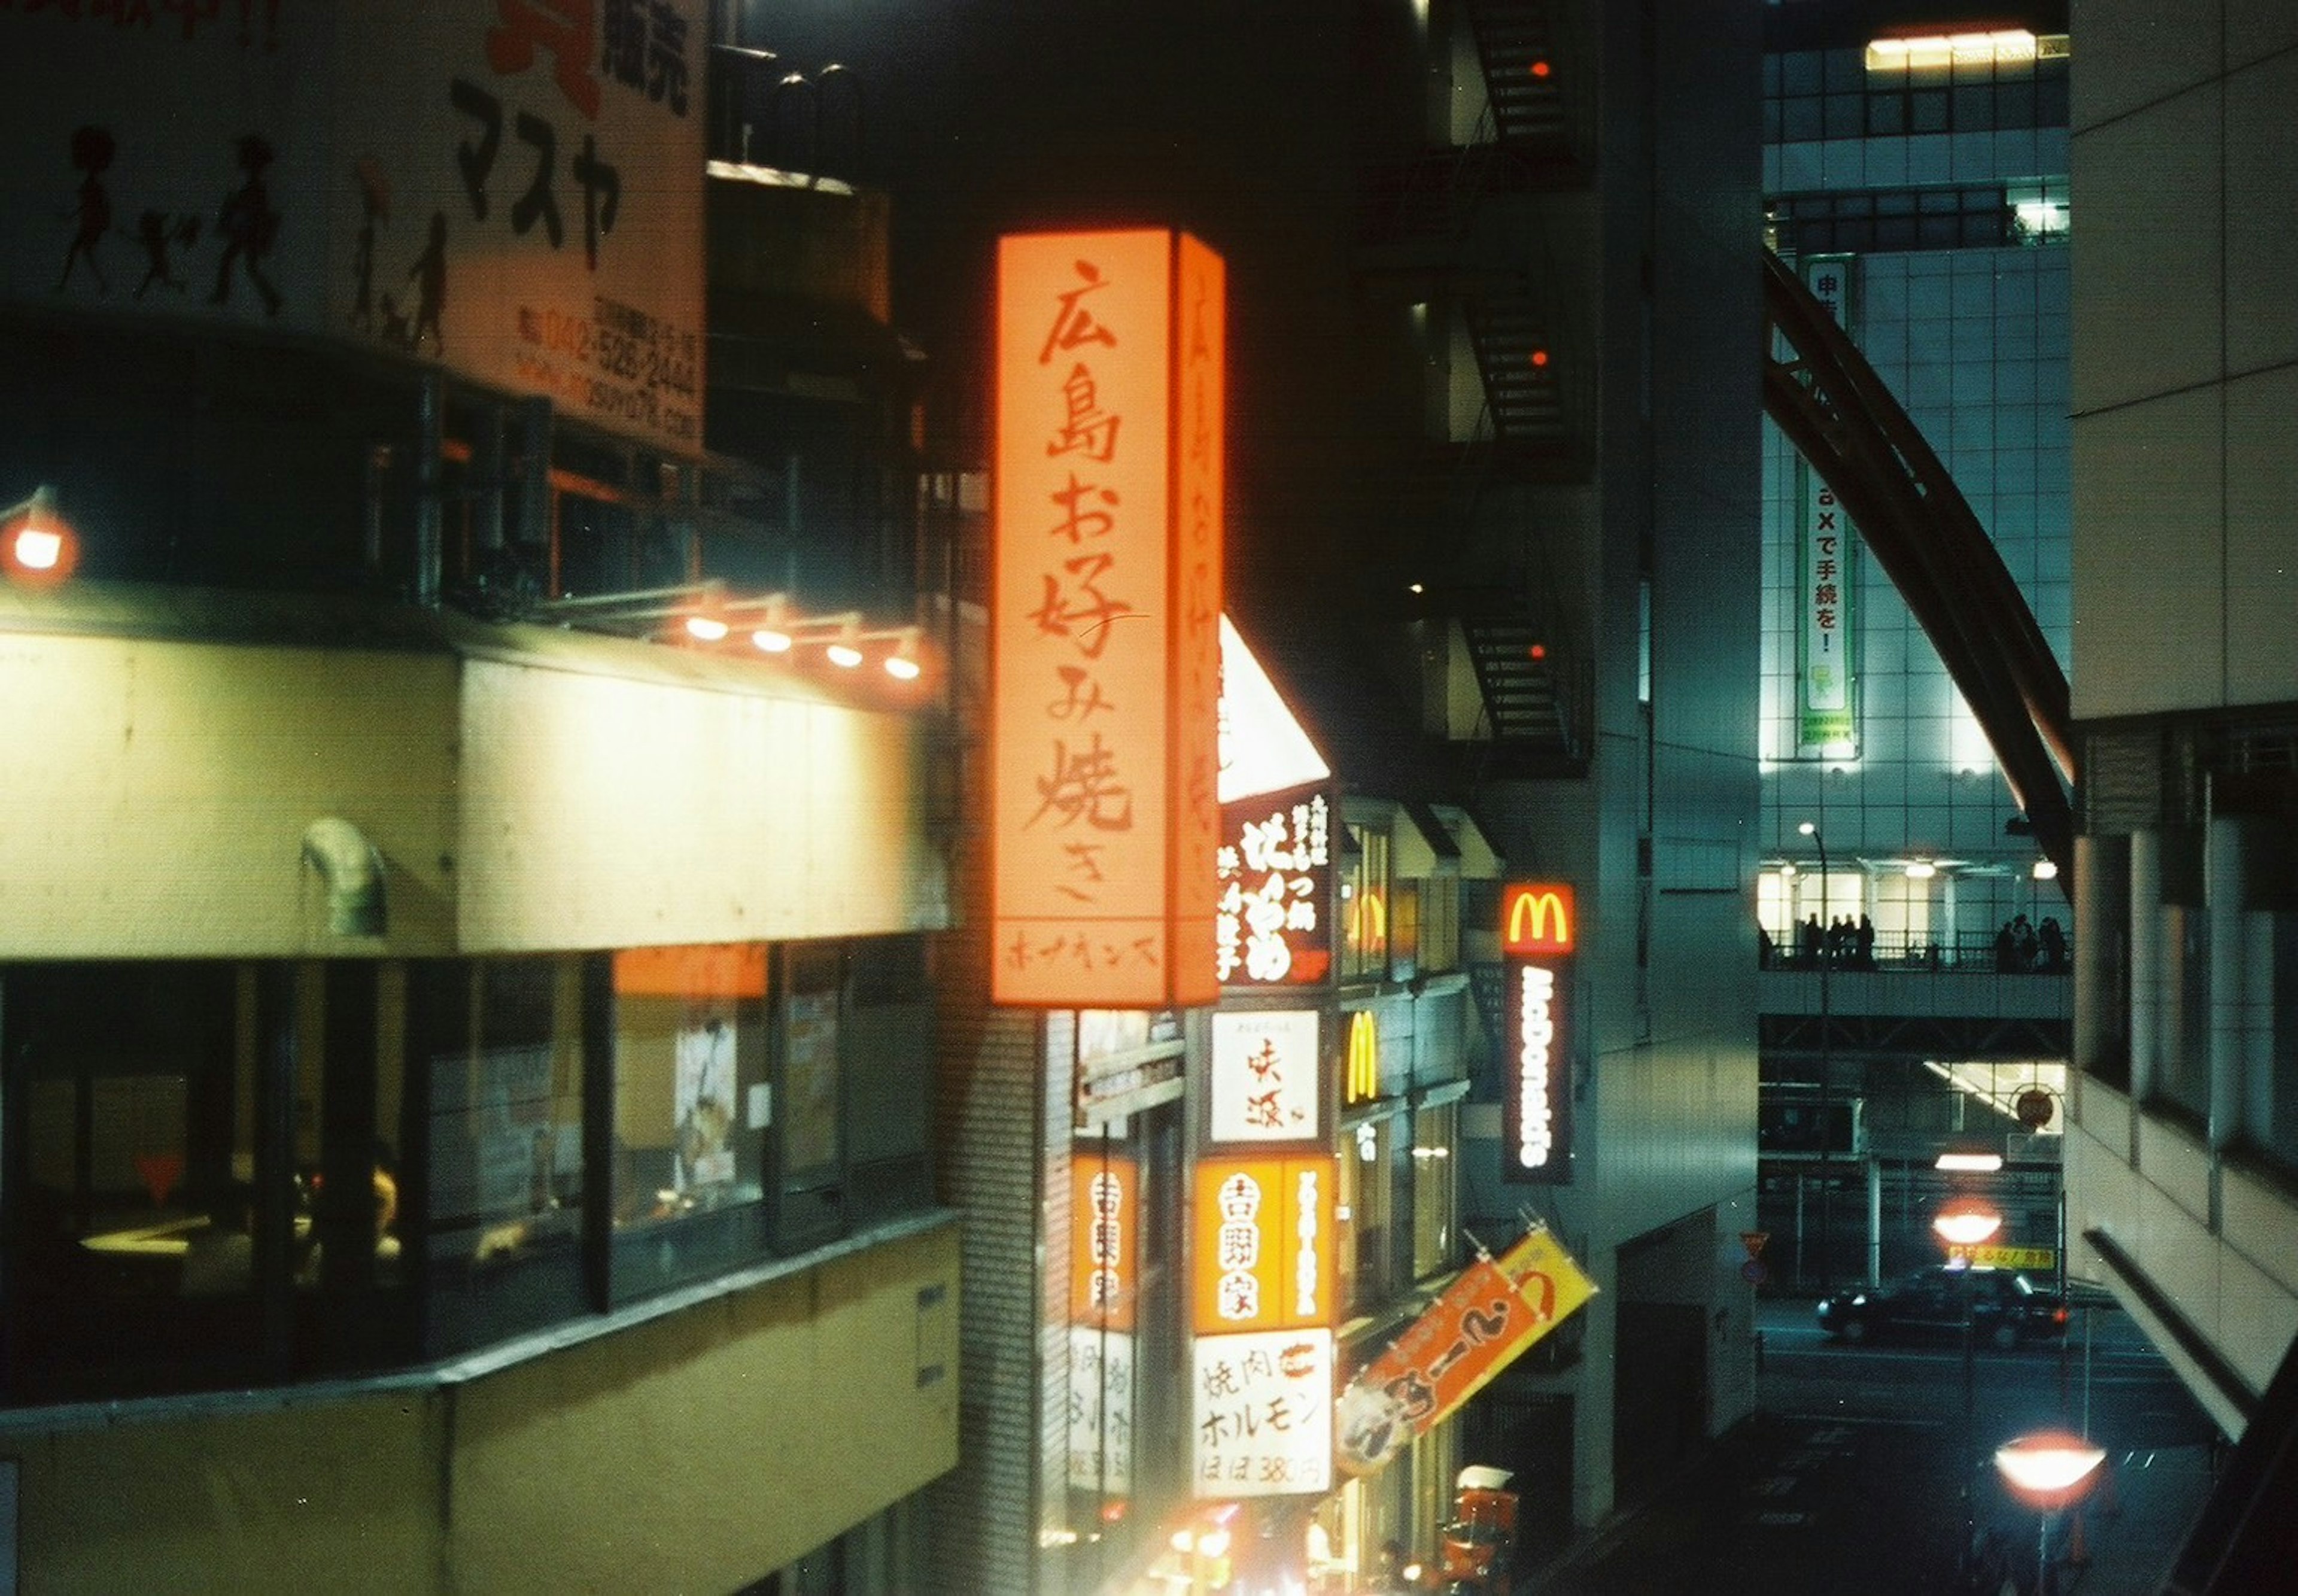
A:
[(1362, 1082), (1539, 938), (1105, 620), (1267, 1082), (1263, 1418), (1104, 1209), (1264, 1244), (1263, 748), (505, 190), (1100, 1410), (1104, 1252), (1274, 925), (1537, 918)]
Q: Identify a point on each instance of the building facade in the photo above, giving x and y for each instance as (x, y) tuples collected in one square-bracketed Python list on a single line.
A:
[(467, 1034), (2179, 1157), (1918, 984), (1561, 533)]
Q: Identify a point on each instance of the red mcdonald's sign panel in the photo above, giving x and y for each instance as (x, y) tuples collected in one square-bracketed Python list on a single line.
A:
[(1105, 598), (1538, 917)]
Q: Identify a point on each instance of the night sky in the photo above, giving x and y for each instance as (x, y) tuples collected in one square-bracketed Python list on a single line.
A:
[(1240, 123)]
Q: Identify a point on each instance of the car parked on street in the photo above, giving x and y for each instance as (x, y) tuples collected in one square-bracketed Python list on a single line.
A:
[(2005, 1309)]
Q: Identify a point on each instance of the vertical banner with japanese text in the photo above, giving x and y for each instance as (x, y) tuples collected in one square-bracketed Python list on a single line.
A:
[(1105, 619), (1104, 1250), (1263, 1254), (1826, 714)]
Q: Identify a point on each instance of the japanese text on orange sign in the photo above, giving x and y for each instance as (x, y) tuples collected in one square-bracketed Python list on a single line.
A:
[(1104, 1224), (1490, 1315), (1264, 1253), (1106, 623)]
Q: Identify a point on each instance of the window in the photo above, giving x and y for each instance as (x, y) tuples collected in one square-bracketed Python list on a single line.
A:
[(690, 1100), (503, 1043), (1435, 1132), (233, 1173), (1440, 925), (1365, 905), (1368, 1243)]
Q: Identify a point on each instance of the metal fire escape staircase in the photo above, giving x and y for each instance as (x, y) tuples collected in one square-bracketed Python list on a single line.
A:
[(1532, 83), (1823, 395)]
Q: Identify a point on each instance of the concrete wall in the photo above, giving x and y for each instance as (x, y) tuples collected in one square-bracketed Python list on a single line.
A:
[(2185, 357), (656, 1458), (526, 788)]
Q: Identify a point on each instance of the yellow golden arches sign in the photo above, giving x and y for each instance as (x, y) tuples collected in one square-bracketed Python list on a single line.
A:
[(1362, 1084), (1537, 917)]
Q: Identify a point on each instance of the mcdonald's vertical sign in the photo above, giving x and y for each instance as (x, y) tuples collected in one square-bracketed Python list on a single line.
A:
[(1539, 938)]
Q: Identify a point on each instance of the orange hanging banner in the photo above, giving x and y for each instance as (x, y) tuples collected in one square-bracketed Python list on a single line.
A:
[(1484, 1320)]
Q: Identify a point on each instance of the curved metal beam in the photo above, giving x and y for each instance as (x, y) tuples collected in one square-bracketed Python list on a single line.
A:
[(1841, 417)]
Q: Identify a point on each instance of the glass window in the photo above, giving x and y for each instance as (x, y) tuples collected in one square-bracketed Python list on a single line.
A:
[(1434, 1190), (1367, 1240), (1440, 923), (808, 1099), (503, 1043), (691, 1100), (137, 1258), (1364, 905), (889, 1083)]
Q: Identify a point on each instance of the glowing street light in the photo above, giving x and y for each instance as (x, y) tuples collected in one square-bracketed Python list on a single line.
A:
[(1966, 1223), (37, 545), (2048, 1471)]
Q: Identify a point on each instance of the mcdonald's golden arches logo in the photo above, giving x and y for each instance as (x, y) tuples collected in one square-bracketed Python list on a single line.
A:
[(1537, 917), (1363, 1083)]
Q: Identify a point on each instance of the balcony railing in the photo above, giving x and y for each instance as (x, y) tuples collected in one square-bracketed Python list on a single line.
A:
[(1965, 953)]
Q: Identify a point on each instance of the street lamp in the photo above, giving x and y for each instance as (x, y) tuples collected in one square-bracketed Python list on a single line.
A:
[(1826, 1075), (1965, 1223), (2048, 1471)]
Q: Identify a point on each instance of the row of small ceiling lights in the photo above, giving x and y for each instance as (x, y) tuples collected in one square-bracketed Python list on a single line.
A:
[(842, 646)]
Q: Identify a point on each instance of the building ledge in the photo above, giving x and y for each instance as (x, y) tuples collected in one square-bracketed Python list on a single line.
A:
[(66, 1417)]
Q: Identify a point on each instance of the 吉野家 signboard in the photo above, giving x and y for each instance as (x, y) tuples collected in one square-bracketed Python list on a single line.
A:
[(1105, 620), (1539, 938), (1275, 925), (1263, 1259), (510, 190), (1104, 1248), (1267, 1079)]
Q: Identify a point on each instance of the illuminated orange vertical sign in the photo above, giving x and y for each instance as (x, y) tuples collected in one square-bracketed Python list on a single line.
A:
[(1105, 1205), (1264, 1244), (1105, 619)]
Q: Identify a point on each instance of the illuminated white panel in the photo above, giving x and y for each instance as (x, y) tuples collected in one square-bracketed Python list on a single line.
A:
[(1262, 747)]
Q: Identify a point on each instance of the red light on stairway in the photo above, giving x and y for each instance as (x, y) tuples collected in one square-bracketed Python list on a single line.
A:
[(1540, 69), (1539, 357), (1538, 651)]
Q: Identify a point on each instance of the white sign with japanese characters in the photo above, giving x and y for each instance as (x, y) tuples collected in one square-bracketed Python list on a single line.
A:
[(510, 190), (1267, 1077), (1100, 1410), (1263, 1413)]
